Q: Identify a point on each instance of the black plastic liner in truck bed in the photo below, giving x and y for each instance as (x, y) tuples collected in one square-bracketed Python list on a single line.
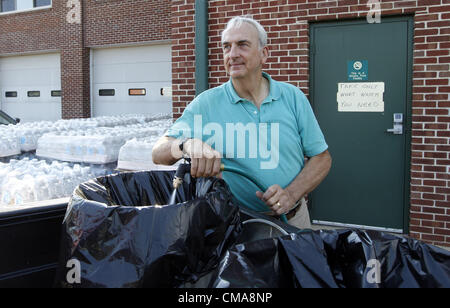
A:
[(112, 227), (121, 233)]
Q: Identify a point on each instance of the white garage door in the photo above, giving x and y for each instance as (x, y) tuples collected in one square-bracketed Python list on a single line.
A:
[(129, 80), (30, 87)]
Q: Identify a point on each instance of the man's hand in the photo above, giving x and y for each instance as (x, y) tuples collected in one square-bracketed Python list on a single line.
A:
[(282, 200), (278, 199), (205, 161)]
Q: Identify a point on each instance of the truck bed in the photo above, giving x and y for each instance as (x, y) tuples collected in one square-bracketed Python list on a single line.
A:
[(29, 244)]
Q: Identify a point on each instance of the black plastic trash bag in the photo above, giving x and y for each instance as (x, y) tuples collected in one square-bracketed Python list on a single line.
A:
[(116, 235), (256, 264), (333, 259)]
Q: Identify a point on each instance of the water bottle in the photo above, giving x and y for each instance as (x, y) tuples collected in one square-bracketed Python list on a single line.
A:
[(5, 196), (28, 191), (42, 188), (68, 186), (53, 186)]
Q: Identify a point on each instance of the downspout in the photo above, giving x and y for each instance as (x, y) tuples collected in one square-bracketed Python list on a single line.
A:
[(201, 46)]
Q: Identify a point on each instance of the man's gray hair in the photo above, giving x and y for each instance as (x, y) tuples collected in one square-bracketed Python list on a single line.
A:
[(237, 21)]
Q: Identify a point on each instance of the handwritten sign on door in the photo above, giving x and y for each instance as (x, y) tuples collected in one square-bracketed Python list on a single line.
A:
[(361, 97)]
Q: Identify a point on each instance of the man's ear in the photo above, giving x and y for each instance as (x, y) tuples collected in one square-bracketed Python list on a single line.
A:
[(264, 54)]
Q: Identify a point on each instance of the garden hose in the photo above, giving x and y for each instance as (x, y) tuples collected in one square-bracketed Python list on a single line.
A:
[(251, 179), (248, 176), (186, 167)]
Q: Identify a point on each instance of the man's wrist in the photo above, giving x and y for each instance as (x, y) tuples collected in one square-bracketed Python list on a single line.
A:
[(296, 196), (182, 147)]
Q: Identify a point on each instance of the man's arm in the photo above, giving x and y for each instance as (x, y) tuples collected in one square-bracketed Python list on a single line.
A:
[(314, 172), (282, 200), (205, 161), (166, 151)]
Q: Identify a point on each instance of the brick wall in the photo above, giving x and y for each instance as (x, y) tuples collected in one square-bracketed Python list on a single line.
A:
[(126, 21), (74, 67), (30, 31), (183, 54), (104, 22), (287, 22)]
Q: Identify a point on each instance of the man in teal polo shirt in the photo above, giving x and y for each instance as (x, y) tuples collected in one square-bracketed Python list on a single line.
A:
[(254, 124)]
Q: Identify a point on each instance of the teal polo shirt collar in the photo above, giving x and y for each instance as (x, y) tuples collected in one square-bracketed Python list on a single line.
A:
[(274, 91)]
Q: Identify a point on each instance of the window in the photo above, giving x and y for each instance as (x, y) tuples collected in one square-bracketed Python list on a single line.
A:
[(22, 5), (56, 93), (6, 119), (11, 94), (38, 3), (166, 91), (34, 93), (7, 5), (106, 92), (136, 92)]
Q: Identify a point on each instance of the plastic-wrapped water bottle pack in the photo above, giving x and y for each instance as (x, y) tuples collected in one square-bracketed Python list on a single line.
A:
[(28, 179), (136, 155), (29, 133), (9, 143)]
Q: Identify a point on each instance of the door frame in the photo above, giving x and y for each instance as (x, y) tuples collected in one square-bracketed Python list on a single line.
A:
[(408, 112)]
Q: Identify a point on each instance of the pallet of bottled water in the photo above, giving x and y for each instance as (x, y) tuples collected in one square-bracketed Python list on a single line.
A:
[(100, 145), (27, 134), (28, 179)]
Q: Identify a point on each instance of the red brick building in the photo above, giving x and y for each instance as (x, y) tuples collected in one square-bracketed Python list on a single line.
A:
[(299, 32), (288, 23), (73, 28)]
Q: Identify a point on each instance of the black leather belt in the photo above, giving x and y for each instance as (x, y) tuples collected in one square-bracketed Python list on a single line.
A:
[(289, 214), (294, 211)]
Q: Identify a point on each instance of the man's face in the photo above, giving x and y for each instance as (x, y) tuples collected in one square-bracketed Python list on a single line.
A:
[(242, 55)]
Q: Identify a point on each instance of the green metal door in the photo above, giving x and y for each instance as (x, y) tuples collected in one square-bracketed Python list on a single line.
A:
[(360, 79)]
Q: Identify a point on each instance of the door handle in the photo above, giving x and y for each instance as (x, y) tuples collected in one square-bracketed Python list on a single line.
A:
[(397, 130), (398, 125)]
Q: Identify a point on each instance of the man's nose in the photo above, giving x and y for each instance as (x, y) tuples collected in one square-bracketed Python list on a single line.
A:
[(234, 52)]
